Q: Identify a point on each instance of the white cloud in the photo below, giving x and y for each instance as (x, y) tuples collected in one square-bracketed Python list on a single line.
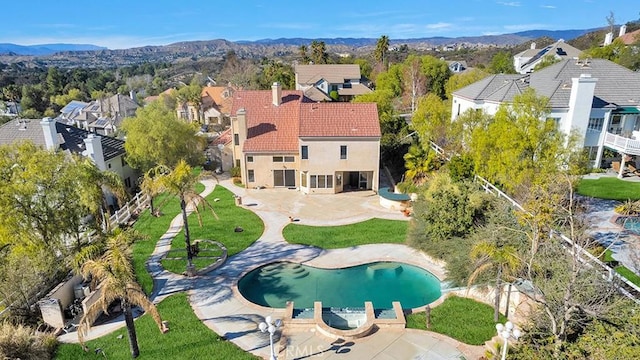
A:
[(512, 3), (548, 6)]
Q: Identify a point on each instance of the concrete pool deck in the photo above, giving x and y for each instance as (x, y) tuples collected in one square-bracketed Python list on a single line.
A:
[(216, 301)]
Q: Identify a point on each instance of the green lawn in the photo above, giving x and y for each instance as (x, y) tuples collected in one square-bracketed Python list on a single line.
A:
[(621, 269), (465, 320), (610, 188), (222, 229), (373, 231), (154, 228), (188, 338)]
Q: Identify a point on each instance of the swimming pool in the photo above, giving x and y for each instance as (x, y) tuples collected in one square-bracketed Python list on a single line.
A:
[(631, 223), (381, 283)]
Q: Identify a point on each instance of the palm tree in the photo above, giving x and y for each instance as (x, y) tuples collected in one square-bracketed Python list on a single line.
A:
[(417, 161), (494, 255), (98, 184), (382, 46), (113, 271), (181, 183), (151, 187)]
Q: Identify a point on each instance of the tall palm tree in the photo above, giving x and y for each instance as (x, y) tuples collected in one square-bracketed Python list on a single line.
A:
[(496, 256), (114, 272), (181, 181), (382, 46)]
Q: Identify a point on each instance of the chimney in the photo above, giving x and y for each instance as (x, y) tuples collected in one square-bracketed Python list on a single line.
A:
[(608, 39), (623, 30), (132, 95), (93, 144), (50, 133), (580, 103), (533, 45), (276, 93)]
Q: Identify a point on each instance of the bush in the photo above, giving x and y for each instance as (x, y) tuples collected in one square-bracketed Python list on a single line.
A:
[(235, 171), (629, 208), (461, 167), (21, 342)]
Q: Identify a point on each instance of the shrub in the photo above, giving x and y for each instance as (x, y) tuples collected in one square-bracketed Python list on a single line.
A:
[(21, 342), (235, 171), (461, 167), (629, 208)]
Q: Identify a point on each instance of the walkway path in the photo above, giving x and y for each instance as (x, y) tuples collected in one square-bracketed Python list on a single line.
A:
[(216, 301)]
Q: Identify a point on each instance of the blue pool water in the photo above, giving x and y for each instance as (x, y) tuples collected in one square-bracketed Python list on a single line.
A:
[(381, 283), (630, 223)]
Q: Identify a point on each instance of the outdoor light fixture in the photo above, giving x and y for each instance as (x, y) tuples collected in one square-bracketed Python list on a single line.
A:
[(507, 331), (270, 326)]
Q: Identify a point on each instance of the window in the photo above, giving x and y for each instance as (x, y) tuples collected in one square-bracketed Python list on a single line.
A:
[(127, 182), (124, 163), (284, 178), (237, 162), (321, 181), (109, 165), (251, 176), (249, 159), (595, 124), (303, 179), (284, 159), (343, 152), (304, 152), (236, 139)]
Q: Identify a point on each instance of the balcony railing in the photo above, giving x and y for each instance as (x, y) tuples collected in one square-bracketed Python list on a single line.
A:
[(622, 144)]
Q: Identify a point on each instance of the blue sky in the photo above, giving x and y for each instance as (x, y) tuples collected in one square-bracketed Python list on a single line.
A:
[(119, 24)]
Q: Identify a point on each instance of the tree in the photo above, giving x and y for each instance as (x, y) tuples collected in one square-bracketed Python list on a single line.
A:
[(414, 80), (304, 57), (180, 182), (419, 162), (155, 136), (432, 120), (382, 46), (63, 99), (495, 254), (114, 272), (502, 63), (191, 95), (319, 52), (151, 187), (460, 80), (277, 72), (34, 97), (437, 73)]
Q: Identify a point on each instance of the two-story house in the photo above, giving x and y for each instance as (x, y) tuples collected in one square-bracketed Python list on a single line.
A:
[(106, 152), (598, 99), (525, 61), (284, 139), (102, 116), (214, 107), (319, 81)]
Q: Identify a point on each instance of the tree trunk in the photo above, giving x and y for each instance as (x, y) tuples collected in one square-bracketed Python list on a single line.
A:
[(187, 239), (131, 329), (153, 213), (496, 310), (506, 311)]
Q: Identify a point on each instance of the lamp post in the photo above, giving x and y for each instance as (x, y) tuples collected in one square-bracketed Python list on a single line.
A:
[(506, 332), (270, 326)]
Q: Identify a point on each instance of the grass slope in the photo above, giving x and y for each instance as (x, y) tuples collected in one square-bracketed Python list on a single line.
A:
[(188, 338), (465, 320), (373, 231), (222, 229)]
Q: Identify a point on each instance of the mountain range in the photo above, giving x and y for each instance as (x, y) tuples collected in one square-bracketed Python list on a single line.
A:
[(44, 49)]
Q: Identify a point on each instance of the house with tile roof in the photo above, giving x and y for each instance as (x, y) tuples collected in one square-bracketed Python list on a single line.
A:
[(525, 61), (597, 98), (215, 106), (105, 151), (318, 81), (102, 116), (284, 139)]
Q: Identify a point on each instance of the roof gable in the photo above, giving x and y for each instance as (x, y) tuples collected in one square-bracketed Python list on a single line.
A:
[(332, 73)]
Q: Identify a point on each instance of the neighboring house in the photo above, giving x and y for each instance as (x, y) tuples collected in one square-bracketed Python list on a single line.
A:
[(149, 99), (284, 139), (597, 98), (630, 38), (215, 106), (102, 116), (527, 60), (457, 66), (220, 150), (106, 152), (10, 108), (318, 81)]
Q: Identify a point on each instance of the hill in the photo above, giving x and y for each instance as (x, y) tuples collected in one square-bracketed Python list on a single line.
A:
[(44, 49)]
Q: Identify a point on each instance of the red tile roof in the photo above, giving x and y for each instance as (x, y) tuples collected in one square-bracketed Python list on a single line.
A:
[(277, 128), (339, 119)]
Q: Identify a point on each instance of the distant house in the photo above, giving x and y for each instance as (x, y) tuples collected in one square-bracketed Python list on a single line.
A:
[(319, 81), (284, 139), (630, 38), (106, 152), (10, 108), (457, 66), (220, 150), (527, 60), (215, 106), (598, 99), (102, 116)]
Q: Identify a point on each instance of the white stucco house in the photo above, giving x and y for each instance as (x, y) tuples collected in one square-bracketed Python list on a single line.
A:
[(597, 98)]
